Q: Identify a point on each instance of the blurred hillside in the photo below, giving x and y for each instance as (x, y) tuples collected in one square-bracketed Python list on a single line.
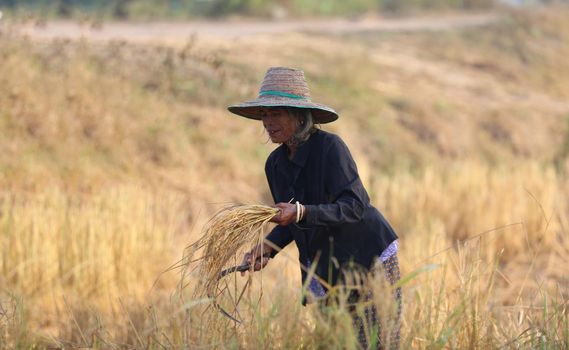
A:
[(86, 115), (138, 9)]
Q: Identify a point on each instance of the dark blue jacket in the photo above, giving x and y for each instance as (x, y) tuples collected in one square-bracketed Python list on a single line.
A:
[(340, 225)]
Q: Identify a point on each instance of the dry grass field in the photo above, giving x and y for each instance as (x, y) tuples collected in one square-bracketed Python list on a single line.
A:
[(114, 155)]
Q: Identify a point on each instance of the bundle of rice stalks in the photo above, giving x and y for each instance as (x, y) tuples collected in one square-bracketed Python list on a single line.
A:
[(226, 233)]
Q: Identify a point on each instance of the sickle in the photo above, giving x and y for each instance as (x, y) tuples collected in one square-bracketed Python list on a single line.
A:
[(238, 268)]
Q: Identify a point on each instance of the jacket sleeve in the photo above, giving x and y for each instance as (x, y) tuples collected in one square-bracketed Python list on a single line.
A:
[(343, 184), (280, 235)]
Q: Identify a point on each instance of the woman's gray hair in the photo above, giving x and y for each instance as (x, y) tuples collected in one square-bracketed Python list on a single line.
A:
[(306, 128)]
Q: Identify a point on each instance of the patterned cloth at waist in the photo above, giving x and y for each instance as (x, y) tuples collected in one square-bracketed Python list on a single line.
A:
[(318, 291)]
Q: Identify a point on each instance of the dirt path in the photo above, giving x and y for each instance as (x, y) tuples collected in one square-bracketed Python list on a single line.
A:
[(175, 32)]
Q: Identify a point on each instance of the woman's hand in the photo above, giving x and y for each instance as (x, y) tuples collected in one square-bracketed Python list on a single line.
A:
[(257, 258), (287, 214)]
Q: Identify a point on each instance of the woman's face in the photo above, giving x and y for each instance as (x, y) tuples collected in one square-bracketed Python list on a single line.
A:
[(279, 124)]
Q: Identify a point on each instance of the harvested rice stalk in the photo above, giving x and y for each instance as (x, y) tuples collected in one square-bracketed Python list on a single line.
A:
[(222, 238)]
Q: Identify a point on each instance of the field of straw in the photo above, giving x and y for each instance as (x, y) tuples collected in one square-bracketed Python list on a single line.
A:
[(114, 156)]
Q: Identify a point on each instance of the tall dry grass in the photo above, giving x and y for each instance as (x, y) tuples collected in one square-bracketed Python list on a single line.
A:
[(65, 250), (497, 238), (483, 254)]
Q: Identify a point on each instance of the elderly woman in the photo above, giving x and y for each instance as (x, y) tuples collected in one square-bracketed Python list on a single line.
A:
[(314, 181)]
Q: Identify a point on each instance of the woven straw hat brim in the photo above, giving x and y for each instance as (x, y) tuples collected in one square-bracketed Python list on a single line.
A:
[(253, 109)]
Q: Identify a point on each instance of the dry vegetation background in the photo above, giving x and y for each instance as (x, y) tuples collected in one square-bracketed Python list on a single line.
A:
[(112, 157)]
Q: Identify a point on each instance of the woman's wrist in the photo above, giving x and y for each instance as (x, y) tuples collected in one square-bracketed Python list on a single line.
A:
[(261, 249), (300, 212), (267, 250)]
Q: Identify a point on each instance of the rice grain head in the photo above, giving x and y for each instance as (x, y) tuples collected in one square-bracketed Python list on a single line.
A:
[(231, 229)]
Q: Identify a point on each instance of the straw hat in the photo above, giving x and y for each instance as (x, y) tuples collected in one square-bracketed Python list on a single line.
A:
[(284, 87)]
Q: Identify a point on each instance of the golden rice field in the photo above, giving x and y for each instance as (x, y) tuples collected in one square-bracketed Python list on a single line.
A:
[(87, 268), (114, 156)]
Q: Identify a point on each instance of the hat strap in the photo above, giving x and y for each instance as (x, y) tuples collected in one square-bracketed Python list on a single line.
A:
[(282, 94)]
